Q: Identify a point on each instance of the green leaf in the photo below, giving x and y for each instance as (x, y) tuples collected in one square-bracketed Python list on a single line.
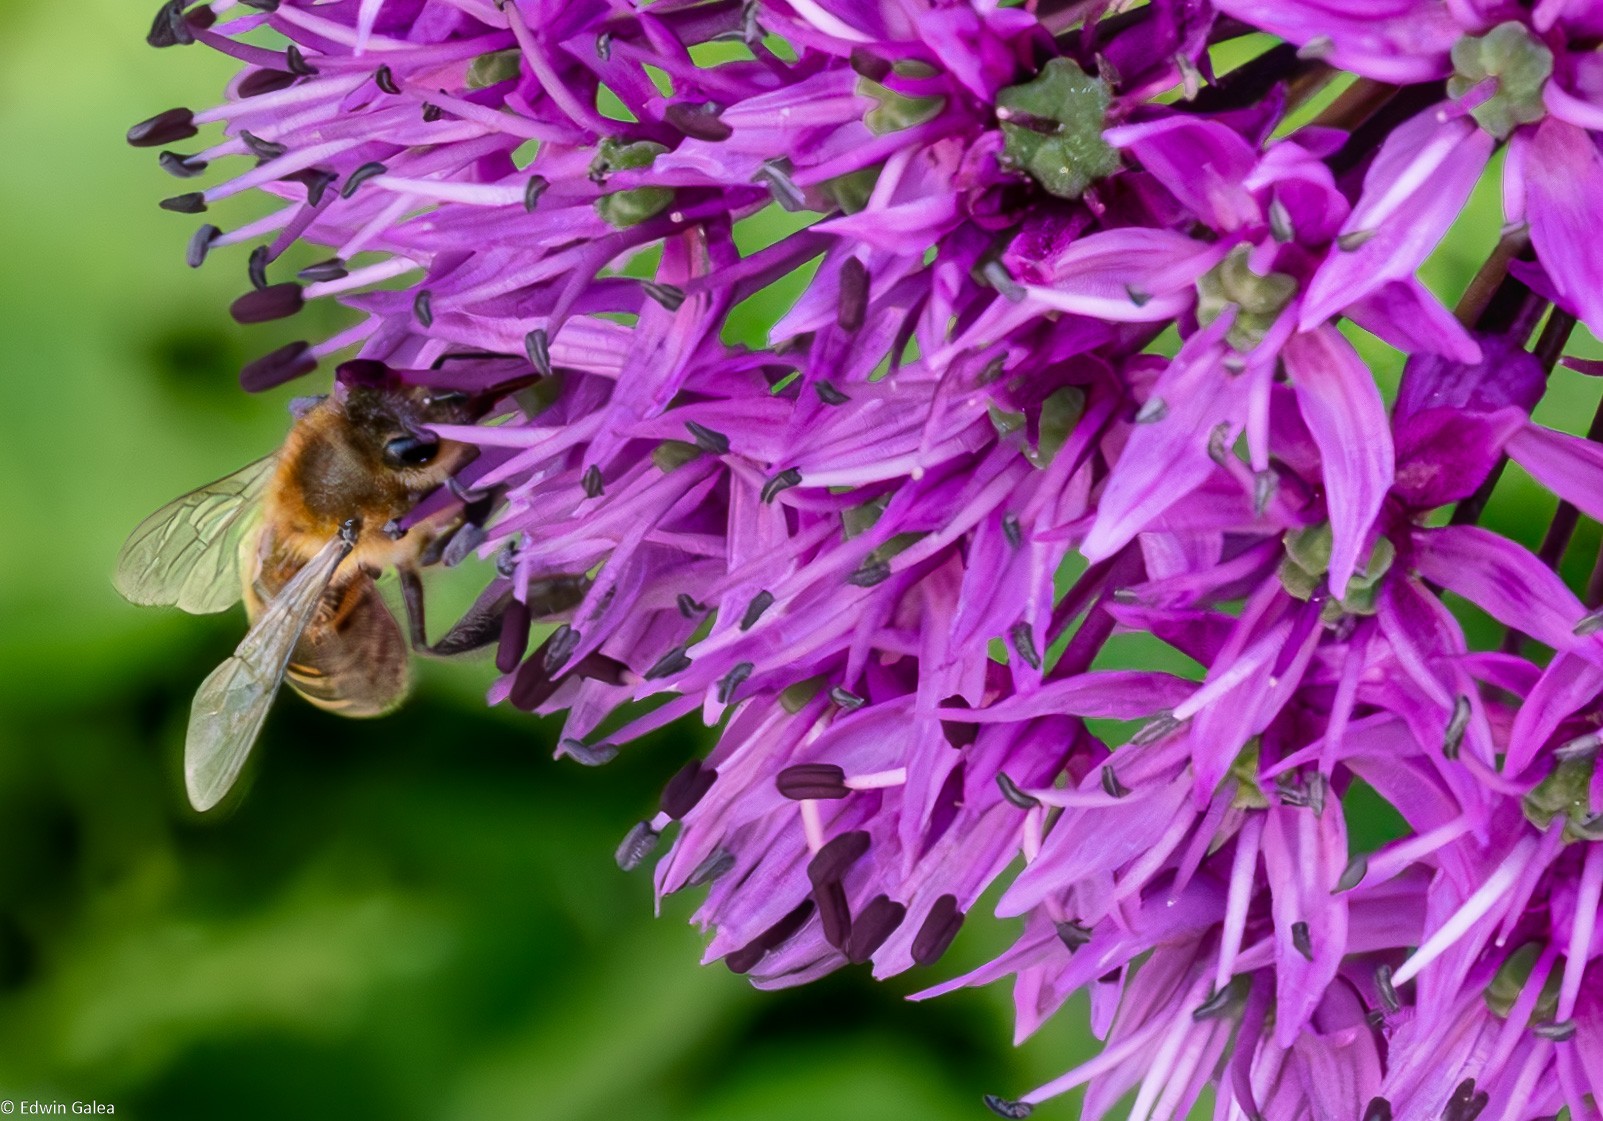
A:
[(1053, 127)]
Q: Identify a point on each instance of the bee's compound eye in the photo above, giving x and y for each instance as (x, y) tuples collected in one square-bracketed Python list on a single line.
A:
[(411, 451)]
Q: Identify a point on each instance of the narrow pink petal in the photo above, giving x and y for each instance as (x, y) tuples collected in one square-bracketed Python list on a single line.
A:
[(1343, 410), (1568, 683), (1569, 466), (1564, 189), (1506, 581), (1413, 193), (1202, 163), (1391, 40), (1408, 315), (1167, 459), (1131, 275)]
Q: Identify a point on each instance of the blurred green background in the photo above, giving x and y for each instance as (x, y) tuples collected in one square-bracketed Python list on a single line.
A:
[(413, 918)]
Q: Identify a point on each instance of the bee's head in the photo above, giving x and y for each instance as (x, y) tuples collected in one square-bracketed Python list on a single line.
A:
[(392, 422)]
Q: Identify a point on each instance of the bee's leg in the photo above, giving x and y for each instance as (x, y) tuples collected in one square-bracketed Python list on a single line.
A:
[(480, 625), (412, 599)]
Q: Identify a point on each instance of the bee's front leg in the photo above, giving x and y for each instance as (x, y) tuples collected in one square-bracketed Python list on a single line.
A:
[(412, 600)]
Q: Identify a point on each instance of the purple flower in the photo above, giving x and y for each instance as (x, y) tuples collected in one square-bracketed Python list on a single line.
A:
[(1064, 368)]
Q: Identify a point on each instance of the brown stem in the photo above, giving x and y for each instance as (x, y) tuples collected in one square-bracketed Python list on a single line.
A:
[(1378, 123), (1548, 349), (1477, 298), (1356, 104)]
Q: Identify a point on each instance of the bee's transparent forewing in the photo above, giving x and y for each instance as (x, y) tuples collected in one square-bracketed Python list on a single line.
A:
[(232, 703), (187, 553)]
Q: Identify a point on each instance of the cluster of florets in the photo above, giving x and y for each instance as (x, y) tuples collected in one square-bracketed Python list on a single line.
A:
[(1063, 368)]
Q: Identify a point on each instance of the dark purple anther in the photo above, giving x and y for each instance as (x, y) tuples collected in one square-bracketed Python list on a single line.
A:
[(560, 647), (276, 301), (589, 755), (537, 345), (296, 62), (760, 603), (674, 661), (781, 931), (192, 203), (359, 176), (830, 863), (834, 913), (940, 927), (258, 82), (812, 780), (718, 863), (256, 267), (322, 271), (731, 682), (853, 305), (316, 180), (709, 441), (181, 167), (687, 787), (637, 844), (1013, 794), (532, 190), (877, 922), (1073, 934), (286, 363), (514, 636), (164, 128), (786, 479), (698, 121), (200, 245)]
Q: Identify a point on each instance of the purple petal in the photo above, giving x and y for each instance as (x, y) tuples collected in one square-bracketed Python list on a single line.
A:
[(1504, 580), (1343, 410), (1390, 40), (1168, 459), (1408, 316), (1569, 466), (1413, 193), (1444, 454), (1564, 188), (1202, 163), (1506, 375)]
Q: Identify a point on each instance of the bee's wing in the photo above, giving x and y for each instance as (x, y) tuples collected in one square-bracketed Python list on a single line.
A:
[(232, 703), (187, 553)]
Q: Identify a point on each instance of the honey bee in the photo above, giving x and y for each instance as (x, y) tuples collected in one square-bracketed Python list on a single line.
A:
[(301, 536)]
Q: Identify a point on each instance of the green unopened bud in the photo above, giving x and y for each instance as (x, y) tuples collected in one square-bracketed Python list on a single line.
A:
[(1005, 420), (895, 111), (1249, 795), (858, 519), (1053, 126), (1258, 300), (1511, 978), (673, 454), (1520, 64), (1307, 564), (633, 206), (1566, 792), (896, 544), (794, 698), (493, 68), (1309, 549), (850, 192), (1060, 412)]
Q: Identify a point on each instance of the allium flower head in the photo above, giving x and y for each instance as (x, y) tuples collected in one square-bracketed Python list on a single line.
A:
[(1064, 366)]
